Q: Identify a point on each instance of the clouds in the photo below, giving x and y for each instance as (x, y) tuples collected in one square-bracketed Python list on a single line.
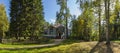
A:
[(52, 20)]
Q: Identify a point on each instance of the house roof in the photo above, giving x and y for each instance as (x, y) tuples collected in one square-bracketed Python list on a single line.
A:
[(57, 25)]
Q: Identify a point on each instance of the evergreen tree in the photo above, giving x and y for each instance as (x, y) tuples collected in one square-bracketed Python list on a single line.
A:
[(26, 18), (85, 20), (64, 14), (15, 15), (3, 22), (58, 18)]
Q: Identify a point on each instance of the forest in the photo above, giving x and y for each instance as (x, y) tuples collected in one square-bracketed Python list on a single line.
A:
[(95, 30)]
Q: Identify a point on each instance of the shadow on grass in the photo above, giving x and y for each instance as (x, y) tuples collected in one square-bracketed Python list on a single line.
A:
[(101, 47)]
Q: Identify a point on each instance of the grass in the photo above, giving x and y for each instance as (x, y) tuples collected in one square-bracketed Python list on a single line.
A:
[(70, 48), (21, 45), (118, 41), (67, 46), (14, 46)]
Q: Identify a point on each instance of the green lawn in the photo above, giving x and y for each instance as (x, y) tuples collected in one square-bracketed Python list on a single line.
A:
[(62, 48), (67, 46), (76, 47), (14, 46), (21, 45)]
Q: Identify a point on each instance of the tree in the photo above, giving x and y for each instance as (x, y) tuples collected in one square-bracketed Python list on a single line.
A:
[(58, 19), (107, 5), (27, 18), (74, 27), (85, 20), (64, 13), (114, 20), (99, 20), (4, 25), (97, 4), (13, 22)]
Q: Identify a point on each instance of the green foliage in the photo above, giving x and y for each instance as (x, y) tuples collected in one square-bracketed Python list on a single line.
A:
[(90, 22), (26, 18), (4, 25), (59, 19), (114, 21), (82, 26), (63, 15)]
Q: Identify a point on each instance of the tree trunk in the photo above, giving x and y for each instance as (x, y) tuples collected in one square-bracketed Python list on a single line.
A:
[(107, 20), (0, 39), (66, 27), (66, 17), (25, 37), (1, 36), (100, 22)]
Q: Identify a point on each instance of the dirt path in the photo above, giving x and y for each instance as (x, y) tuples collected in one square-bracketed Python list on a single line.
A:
[(57, 42)]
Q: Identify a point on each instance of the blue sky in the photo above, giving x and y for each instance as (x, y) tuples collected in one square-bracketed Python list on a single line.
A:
[(50, 8)]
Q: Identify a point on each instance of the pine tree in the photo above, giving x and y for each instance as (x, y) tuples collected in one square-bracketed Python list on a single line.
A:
[(15, 13), (85, 20), (64, 14), (4, 25), (58, 18), (27, 18)]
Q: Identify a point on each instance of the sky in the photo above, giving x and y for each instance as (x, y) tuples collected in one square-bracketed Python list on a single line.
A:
[(50, 9)]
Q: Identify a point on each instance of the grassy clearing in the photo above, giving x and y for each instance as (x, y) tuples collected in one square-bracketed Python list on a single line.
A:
[(14, 46), (71, 46), (20, 45), (67, 46)]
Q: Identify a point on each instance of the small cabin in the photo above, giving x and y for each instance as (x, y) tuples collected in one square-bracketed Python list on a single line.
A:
[(55, 31)]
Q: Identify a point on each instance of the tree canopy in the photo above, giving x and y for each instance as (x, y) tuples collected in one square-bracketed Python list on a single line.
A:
[(27, 18), (4, 25)]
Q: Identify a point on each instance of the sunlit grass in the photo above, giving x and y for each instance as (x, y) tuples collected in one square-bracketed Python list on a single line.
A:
[(67, 46), (70, 48), (14, 46)]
